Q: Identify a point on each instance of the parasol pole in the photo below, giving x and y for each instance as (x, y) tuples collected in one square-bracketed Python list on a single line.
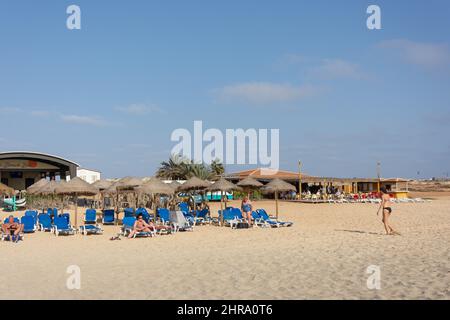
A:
[(76, 210), (276, 202)]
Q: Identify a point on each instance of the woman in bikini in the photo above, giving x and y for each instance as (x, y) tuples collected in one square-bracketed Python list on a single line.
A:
[(387, 211), (141, 226)]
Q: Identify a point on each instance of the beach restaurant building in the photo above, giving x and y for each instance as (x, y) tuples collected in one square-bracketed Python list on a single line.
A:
[(397, 187), (19, 170)]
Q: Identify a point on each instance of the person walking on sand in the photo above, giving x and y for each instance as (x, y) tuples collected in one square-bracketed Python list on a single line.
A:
[(387, 211)]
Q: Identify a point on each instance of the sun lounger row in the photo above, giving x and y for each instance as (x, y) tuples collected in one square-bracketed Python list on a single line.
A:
[(233, 216)]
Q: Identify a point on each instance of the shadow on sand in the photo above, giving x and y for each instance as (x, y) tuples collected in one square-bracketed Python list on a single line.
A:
[(359, 231)]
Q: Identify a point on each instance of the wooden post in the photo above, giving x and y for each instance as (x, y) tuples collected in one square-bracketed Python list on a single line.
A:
[(76, 211), (300, 179), (276, 202), (221, 207)]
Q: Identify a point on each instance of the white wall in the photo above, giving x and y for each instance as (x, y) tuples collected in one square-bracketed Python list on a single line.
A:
[(89, 176)]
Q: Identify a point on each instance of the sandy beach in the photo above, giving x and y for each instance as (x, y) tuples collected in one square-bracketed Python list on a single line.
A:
[(323, 256)]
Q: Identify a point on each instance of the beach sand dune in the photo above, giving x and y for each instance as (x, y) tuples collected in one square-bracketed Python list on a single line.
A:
[(325, 255)]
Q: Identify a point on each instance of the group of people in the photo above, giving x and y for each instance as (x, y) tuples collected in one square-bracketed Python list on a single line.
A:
[(13, 228)]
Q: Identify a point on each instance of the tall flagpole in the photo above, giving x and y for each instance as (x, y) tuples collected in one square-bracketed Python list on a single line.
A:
[(300, 179)]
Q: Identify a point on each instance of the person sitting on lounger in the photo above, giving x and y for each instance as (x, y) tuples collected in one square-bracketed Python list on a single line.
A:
[(247, 209), (12, 228), (141, 226)]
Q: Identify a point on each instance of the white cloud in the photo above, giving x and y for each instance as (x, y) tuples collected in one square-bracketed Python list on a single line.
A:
[(40, 113), (9, 110), (139, 109), (83, 120), (429, 55), (337, 68), (264, 92)]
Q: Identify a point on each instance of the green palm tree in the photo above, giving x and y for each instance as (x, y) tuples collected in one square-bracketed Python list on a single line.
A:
[(217, 168), (175, 168), (199, 170)]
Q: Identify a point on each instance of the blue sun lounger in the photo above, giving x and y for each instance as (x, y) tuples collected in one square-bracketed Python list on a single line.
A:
[(32, 213), (183, 206), (272, 222), (62, 226), (128, 212), (231, 217), (65, 216), (164, 215), (45, 222), (29, 225), (90, 229), (202, 217), (145, 215), (90, 216), (128, 225), (179, 221), (108, 217)]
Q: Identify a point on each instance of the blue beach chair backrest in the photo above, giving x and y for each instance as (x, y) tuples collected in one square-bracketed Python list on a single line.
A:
[(228, 214), (255, 215), (61, 223), (237, 213), (263, 214), (16, 220), (108, 216), (28, 223), (202, 213), (65, 216), (128, 212), (31, 213), (164, 214), (128, 222), (183, 206), (145, 214), (90, 215), (45, 220)]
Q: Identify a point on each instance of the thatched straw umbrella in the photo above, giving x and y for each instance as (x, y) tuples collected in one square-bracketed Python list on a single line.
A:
[(124, 185), (128, 183), (153, 187), (223, 185), (5, 190), (249, 184), (76, 187), (174, 185), (276, 186), (33, 190), (102, 185), (48, 190), (36, 186), (194, 184)]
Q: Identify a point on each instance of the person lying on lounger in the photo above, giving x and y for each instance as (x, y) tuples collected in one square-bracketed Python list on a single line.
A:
[(12, 228)]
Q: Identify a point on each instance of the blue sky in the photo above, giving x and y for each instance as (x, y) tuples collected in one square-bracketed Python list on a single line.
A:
[(109, 95)]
